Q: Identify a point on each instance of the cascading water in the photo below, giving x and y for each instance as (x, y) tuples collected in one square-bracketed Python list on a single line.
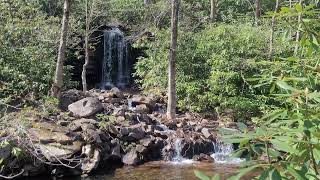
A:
[(178, 158), (115, 64), (223, 152)]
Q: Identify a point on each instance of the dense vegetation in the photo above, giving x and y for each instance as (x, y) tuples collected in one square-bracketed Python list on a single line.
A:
[(224, 66)]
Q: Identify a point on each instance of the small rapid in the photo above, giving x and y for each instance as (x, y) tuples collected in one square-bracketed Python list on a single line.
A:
[(223, 153)]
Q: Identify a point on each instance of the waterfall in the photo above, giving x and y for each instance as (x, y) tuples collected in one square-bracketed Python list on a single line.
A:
[(178, 149), (115, 63), (178, 158), (222, 153)]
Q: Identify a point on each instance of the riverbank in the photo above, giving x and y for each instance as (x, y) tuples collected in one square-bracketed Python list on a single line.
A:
[(104, 130)]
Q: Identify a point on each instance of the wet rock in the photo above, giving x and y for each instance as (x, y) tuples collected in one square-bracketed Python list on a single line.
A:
[(131, 158), (203, 157), (85, 107)]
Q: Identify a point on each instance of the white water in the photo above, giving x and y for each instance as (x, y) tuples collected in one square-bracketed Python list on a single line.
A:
[(179, 159), (116, 52), (223, 154)]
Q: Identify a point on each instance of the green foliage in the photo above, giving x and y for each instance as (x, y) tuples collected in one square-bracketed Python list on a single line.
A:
[(212, 66), (27, 50), (50, 106), (287, 136)]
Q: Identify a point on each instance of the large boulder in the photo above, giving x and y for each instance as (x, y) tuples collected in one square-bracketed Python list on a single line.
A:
[(54, 152), (69, 97), (85, 107)]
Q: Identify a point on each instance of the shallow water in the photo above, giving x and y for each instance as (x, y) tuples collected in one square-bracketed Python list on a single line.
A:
[(167, 171)]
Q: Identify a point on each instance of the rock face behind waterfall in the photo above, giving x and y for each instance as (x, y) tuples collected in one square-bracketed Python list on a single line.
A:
[(114, 127)]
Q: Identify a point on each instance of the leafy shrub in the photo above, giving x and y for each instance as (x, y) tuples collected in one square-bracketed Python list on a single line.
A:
[(212, 67)]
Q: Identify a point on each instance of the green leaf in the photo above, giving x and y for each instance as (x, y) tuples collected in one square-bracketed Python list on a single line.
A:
[(275, 175), (284, 85), (298, 7), (201, 175), (216, 177), (283, 146), (296, 174), (243, 127), (244, 171)]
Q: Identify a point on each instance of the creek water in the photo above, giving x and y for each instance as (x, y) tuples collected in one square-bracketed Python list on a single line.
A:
[(161, 170)]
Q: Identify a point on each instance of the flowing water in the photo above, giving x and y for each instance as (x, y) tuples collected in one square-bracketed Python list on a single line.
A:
[(115, 64), (222, 153)]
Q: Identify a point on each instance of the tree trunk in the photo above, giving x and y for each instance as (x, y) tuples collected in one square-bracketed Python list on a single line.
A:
[(258, 11), (58, 78), (298, 34), (86, 47), (171, 110), (213, 10), (273, 24)]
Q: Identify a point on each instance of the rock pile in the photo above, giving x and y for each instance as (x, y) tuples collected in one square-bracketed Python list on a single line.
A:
[(104, 127)]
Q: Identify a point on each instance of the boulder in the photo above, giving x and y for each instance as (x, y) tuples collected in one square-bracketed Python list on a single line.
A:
[(77, 125), (124, 131), (5, 152), (206, 133), (116, 149), (91, 135), (69, 97), (45, 136), (141, 149), (136, 132), (139, 99), (203, 157), (55, 151), (91, 163), (119, 111), (146, 142), (131, 158), (142, 108), (85, 107)]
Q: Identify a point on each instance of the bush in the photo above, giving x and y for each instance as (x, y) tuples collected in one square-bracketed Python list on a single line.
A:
[(212, 67)]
